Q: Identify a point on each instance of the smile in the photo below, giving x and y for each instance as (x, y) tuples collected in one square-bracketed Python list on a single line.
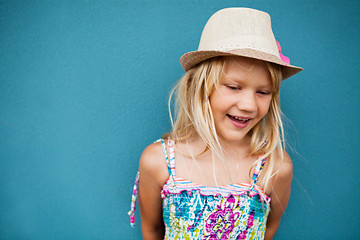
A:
[(239, 122)]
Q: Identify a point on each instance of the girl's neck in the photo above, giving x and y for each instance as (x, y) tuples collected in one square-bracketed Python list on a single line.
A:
[(239, 147), (230, 150)]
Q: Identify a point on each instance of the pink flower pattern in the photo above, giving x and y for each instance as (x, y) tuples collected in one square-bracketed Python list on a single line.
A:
[(220, 223)]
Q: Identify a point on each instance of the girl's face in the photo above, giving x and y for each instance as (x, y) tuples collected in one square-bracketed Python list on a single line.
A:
[(242, 98)]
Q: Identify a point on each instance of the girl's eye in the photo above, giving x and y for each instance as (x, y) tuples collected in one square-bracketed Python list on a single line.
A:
[(264, 92), (233, 87)]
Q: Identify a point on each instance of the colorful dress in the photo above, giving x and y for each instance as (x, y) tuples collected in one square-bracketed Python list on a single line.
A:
[(194, 211)]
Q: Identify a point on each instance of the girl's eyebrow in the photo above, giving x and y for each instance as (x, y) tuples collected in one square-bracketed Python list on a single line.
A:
[(237, 81), (233, 78)]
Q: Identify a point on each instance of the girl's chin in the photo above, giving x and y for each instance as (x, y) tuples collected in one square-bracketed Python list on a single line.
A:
[(229, 134), (235, 138)]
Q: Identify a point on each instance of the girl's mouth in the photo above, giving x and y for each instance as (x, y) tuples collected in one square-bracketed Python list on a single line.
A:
[(239, 122)]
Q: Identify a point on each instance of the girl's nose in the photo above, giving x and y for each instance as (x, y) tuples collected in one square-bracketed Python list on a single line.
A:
[(247, 102)]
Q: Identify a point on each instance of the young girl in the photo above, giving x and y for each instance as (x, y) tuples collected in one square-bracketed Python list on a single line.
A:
[(222, 172)]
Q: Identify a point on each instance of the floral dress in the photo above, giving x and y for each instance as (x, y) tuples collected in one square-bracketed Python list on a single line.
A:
[(193, 211)]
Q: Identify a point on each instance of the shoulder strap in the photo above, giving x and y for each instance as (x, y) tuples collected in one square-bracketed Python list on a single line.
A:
[(133, 201), (171, 145), (170, 162), (163, 145), (258, 168)]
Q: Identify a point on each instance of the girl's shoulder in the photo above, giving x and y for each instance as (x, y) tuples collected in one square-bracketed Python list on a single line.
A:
[(153, 163), (152, 151), (285, 169), (281, 171), (284, 173)]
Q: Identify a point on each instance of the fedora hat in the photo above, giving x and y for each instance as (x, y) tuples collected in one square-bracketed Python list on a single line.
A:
[(239, 32)]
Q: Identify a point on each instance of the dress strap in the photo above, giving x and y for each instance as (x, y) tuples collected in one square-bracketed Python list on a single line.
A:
[(171, 145), (170, 162), (258, 168), (163, 145), (133, 201)]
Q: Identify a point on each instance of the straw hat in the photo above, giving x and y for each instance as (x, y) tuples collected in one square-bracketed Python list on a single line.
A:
[(241, 32)]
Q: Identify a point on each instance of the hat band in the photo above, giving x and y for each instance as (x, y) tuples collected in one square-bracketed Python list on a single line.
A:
[(241, 42)]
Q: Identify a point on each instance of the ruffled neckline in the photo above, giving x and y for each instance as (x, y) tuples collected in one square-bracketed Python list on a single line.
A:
[(226, 190)]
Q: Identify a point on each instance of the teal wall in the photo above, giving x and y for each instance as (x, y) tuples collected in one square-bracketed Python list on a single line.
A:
[(83, 89)]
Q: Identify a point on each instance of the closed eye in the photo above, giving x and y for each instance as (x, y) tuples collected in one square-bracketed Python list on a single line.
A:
[(264, 92), (231, 87)]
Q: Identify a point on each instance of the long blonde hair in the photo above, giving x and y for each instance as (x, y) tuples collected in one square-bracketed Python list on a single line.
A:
[(193, 115)]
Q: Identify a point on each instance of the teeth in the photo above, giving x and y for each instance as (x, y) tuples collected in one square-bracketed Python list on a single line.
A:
[(240, 119)]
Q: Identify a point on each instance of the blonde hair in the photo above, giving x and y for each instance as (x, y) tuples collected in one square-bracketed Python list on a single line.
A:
[(193, 115)]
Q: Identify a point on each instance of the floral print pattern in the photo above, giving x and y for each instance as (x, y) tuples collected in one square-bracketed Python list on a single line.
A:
[(192, 215), (221, 221)]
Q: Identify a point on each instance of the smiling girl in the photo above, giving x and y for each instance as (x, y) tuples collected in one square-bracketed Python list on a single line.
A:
[(222, 172)]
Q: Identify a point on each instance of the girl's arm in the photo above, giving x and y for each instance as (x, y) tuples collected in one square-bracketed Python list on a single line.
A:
[(153, 175), (279, 196)]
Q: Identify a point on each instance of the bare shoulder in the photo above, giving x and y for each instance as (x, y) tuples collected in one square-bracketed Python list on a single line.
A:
[(284, 174), (285, 170), (151, 156), (153, 164)]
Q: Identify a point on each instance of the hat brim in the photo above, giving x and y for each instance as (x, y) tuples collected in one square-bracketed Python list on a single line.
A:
[(190, 59)]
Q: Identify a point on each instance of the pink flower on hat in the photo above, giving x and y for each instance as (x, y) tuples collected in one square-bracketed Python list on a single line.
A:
[(283, 58)]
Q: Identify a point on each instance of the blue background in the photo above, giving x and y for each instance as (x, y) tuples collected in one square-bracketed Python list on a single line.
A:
[(84, 88)]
